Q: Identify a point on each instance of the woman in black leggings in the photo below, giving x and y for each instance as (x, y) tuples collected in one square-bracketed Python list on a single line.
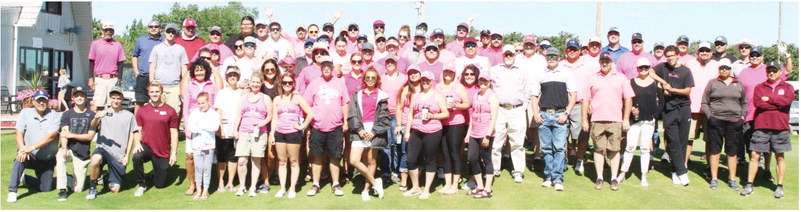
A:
[(482, 130), (454, 129)]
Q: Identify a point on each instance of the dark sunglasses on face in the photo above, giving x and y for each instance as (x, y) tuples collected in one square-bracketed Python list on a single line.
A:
[(275, 29), (431, 48), (314, 32), (239, 46), (461, 29), (308, 45), (469, 74), (328, 29), (170, 32), (352, 29), (153, 26), (378, 27), (745, 47), (250, 44), (720, 44), (725, 68), (636, 42), (545, 46), (508, 55), (470, 45), (356, 61), (215, 33), (380, 40), (403, 37), (497, 37), (204, 58), (704, 50), (287, 82), (518, 50), (773, 70), (269, 70), (754, 54), (552, 57)]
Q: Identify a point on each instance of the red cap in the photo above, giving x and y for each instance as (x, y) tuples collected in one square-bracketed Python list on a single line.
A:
[(378, 22), (189, 22), (530, 39)]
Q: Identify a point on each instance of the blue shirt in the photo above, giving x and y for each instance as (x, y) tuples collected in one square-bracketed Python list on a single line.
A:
[(144, 45), (615, 53), (35, 128)]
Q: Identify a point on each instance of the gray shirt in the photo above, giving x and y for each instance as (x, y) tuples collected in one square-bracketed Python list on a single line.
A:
[(168, 59), (35, 128), (114, 132)]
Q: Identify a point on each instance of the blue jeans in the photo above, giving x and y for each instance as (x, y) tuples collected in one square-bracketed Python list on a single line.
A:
[(393, 158), (553, 137)]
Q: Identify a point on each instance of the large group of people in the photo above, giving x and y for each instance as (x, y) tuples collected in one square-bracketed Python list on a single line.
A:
[(397, 108)]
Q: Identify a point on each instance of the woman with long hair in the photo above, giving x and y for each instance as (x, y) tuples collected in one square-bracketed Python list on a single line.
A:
[(369, 119), (424, 132), (404, 99), (482, 133), (286, 133), (454, 129), (200, 81)]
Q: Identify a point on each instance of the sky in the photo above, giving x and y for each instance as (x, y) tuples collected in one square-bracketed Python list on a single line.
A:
[(657, 21)]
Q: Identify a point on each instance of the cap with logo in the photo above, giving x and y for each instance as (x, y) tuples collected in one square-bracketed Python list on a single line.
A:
[(108, 25), (757, 49), (40, 94), (326, 59), (774, 64), (392, 42), (115, 90), (595, 38), (704, 45), (485, 32), (643, 62), (362, 36), (353, 25), (463, 24), (683, 38), (545, 42), (530, 39), (470, 40), (77, 90), (308, 41), (497, 32), (605, 56), (189, 22), (508, 49), (431, 44), (636, 36), (328, 25), (613, 29), (391, 57), (572, 43), (261, 22)]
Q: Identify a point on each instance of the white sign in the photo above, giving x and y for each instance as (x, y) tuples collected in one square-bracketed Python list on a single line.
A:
[(37, 42)]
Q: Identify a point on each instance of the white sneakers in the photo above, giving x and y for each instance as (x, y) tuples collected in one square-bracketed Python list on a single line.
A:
[(675, 178), (280, 193), (547, 183), (684, 179), (379, 188), (12, 197), (140, 191), (559, 187), (365, 195), (292, 195), (518, 178), (644, 181)]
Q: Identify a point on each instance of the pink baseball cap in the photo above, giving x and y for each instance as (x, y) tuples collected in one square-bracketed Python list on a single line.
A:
[(288, 60), (378, 22), (530, 39), (427, 74), (189, 22)]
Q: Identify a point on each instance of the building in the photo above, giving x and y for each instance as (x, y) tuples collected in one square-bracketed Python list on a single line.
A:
[(44, 37)]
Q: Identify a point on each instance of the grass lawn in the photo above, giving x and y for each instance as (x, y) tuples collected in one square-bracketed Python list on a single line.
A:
[(579, 193)]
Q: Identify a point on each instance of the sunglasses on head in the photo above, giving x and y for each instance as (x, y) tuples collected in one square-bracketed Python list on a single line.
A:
[(497, 37), (470, 45), (378, 27), (153, 26), (250, 44)]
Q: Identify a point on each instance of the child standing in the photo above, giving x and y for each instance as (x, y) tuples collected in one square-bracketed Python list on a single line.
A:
[(203, 143)]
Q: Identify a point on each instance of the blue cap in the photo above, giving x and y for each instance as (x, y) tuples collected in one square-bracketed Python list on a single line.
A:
[(308, 40), (573, 43), (40, 94), (757, 49)]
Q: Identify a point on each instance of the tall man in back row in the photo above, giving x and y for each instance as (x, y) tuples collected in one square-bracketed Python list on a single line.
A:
[(106, 56)]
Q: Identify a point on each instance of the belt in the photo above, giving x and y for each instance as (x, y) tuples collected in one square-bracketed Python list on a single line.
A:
[(105, 76), (552, 111), (509, 107)]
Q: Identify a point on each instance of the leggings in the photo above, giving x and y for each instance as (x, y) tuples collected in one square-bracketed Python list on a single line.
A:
[(422, 147), (475, 153), (451, 148), (203, 162)]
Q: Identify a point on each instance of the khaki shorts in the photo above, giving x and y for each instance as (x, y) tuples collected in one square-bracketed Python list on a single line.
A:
[(606, 135), (698, 123), (172, 96), (252, 144), (102, 87)]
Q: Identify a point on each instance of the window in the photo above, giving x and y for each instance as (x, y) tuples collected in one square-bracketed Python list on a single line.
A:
[(52, 7), (30, 61)]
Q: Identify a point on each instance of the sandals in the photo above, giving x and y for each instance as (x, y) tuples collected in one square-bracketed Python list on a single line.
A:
[(483, 194), (230, 188), (402, 188), (412, 193), (474, 192), (196, 197), (190, 191), (204, 197)]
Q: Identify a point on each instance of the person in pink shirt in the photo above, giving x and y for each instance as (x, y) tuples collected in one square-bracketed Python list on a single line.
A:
[(379, 29), (380, 47), (200, 82), (581, 71), (684, 44), (454, 129), (457, 45), (402, 109), (703, 69), (392, 82), (353, 77), (483, 115), (432, 63), (329, 101), (203, 127), (368, 50), (189, 39), (370, 121), (416, 48), (401, 64), (341, 56), (484, 39), (627, 63), (438, 37), (659, 52), (424, 132), (470, 57), (353, 38), (312, 71), (494, 50), (105, 58), (286, 132), (255, 112), (609, 98), (215, 43), (404, 33)]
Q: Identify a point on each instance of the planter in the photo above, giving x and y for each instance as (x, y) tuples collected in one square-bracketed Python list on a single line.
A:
[(26, 103)]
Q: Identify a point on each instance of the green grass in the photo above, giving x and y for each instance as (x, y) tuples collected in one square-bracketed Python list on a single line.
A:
[(579, 194)]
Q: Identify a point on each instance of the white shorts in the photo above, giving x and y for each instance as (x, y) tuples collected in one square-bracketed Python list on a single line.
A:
[(368, 127)]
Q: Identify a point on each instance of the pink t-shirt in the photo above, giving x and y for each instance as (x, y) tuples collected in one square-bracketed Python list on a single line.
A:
[(606, 94), (225, 52), (685, 58), (481, 115), (369, 102), (627, 63), (435, 68), (106, 55), (751, 78), (253, 113), (307, 75), (327, 99), (392, 86), (430, 125), (701, 77), (455, 116), (352, 83), (582, 71), (481, 62), (191, 91), (445, 56), (456, 48), (289, 114), (495, 56)]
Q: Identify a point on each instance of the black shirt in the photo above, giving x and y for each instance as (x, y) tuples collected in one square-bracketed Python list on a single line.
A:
[(645, 99), (678, 78), (78, 123)]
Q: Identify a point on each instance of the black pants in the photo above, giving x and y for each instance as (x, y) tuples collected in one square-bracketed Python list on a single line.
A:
[(160, 167), (720, 130), (745, 141), (43, 170), (423, 148), (677, 130), (475, 153), (454, 137)]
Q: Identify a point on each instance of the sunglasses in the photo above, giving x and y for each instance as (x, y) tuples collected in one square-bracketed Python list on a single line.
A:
[(380, 40), (403, 37), (361, 41), (552, 57), (644, 67), (314, 32), (287, 83), (518, 50), (636, 42), (371, 78), (324, 39), (469, 74), (275, 29), (508, 55), (745, 47), (720, 44), (250, 44), (356, 61), (725, 68), (773, 70), (239, 46), (170, 32), (431, 48), (497, 37), (328, 29), (267, 70), (470, 45), (704, 50), (378, 27), (153, 26), (204, 58), (215, 33), (422, 27), (545, 46), (353, 29), (320, 53), (461, 29), (755, 54), (308, 45)]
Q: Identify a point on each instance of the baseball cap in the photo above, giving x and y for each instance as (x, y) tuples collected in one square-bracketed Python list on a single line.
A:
[(613, 29), (328, 25), (485, 32), (572, 43), (605, 56), (463, 24), (39, 93), (721, 39), (171, 26), (447, 68), (704, 45), (189, 22), (362, 36), (427, 74), (746, 41), (116, 90), (108, 25), (552, 51), (77, 90), (301, 27), (431, 44), (321, 46), (353, 25), (724, 62), (392, 42), (368, 46), (774, 64), (757, 49), (419, 33), (530, 39), (392, 57), (683, 38), (307, 41), (545, 42), (215, 28), (250, 39), (423, 23), (275, 23), (595, 38), (261, 22), (437, 31), (484, 75), (470, 40), (643, 62), (496, 32), (326, 59), (412, 68), (636, 36), (288, 60), (508, 48), (378, 22), (659, 43), (231, 70)]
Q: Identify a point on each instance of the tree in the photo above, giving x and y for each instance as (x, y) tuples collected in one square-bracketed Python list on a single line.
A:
[(560, 40), (97, 30), (513, 37), (227, 17)]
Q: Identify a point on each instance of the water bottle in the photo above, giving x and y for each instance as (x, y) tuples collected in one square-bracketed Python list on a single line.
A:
[(449, 100), (424, 113)]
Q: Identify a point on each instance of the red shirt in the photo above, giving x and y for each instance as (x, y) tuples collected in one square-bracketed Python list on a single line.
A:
[(191, 46), (156, 124), (773, 114)]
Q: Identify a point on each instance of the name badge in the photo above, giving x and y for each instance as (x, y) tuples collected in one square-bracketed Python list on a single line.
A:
[(781, 92), (163, 113)]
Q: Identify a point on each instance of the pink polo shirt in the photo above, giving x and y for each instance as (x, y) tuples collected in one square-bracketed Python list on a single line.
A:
[(592, 62), (456, 47), (225, 52), (751, 78), (369, 103), (627, 63), (495, 56), (392, 86), (445, 56), (685, 58), (606, 94), (701, 76), (306, 76), (327, 99), (106, 55), (435, 68), (581, 73)]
